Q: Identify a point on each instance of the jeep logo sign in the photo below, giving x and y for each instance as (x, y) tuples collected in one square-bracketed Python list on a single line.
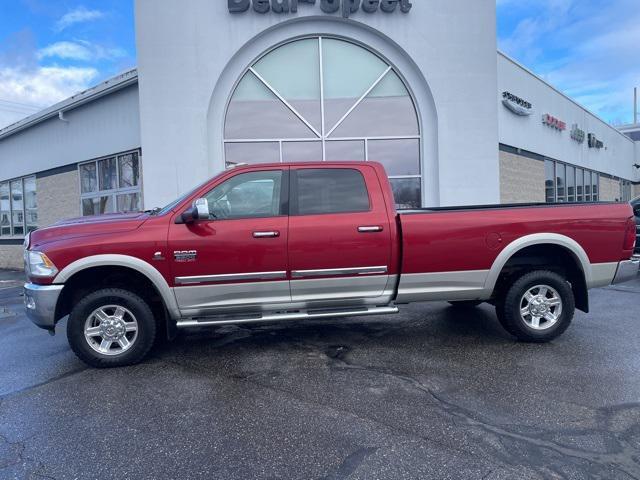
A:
[(346, 7)]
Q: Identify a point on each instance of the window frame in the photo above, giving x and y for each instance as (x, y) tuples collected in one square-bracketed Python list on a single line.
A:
[(324, 136), (113, 193), (293, 193), (580, 176), (23, 210), (284, 195)]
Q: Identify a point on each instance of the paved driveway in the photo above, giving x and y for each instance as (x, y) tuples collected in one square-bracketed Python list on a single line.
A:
[(431, 393)]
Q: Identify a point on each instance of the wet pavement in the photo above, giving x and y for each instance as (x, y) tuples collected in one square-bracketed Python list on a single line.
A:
[(434, 392)]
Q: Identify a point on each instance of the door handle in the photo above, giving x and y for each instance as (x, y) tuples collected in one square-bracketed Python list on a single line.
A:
[(271, 234), (370, 229)]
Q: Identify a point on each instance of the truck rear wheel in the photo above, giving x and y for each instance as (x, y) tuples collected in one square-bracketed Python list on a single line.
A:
[(537, 307), (111, 327)]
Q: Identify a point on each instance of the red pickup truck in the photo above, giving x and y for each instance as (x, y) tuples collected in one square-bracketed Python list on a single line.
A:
[(296, 241)]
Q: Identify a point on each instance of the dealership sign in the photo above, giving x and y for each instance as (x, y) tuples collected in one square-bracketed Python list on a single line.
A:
[(516, 104), (553, 122), (577, 133), (346, 7), (593, 142)]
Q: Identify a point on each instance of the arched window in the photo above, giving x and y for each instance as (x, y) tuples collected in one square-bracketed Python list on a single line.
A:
[(323, 99)]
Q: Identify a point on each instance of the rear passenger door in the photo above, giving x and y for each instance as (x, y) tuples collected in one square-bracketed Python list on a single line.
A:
[(339, 235)]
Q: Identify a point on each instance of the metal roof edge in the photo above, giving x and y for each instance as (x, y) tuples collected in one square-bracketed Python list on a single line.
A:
[(538, 77), (104, 88)]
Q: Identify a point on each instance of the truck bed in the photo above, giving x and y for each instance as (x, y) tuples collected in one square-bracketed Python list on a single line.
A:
[(459, 249)]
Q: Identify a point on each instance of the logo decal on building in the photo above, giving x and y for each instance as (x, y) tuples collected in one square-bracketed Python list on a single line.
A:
[(593, 141), (577, 133), (346, 7), (516, 104), (553, 122)]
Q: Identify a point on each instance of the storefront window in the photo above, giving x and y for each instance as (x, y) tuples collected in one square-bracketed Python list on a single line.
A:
[(550, 174), (30, 204), (625, 190), (560, 183), (579, 185), (571, 183), (587, 186), (567, 183), (5, 210), (323, 99), (18, 207), (111, 185)]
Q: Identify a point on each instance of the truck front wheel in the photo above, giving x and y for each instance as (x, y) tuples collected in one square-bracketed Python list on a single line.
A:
[(111, 327), (538, 307)]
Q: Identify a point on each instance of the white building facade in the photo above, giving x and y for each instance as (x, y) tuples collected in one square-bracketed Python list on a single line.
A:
[(437, 55), (415, 85)]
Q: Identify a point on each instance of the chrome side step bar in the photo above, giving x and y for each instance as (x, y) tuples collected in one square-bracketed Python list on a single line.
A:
[(277, 317)]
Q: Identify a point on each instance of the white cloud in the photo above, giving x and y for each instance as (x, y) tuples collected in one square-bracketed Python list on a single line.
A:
[(592, 58), (80, 50), (41, 86), (78, 15), (65, 50)]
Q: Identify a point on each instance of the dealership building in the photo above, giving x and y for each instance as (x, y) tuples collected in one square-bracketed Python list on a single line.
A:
[(416, 85)]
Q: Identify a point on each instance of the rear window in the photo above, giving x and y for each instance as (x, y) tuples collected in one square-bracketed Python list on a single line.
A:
[(329, 190)]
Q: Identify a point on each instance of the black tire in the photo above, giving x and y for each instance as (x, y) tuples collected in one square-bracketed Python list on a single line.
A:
[(141, 344), (509, 306), (500, 314), (466, 303)]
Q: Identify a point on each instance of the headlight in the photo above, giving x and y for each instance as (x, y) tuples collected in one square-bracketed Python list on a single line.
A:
[(40, 265)]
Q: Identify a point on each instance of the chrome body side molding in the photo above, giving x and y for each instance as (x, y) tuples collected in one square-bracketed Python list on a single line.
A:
[(297, 315), (339, 271), (465, 285), (193, 299), (627, 270), (602, 274), (325, 289), (231, 277)]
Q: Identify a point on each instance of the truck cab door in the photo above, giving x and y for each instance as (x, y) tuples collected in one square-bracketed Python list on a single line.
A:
[(339, 236), (238, 256)]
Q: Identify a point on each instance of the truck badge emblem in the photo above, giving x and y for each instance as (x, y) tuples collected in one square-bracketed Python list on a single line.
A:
[(185, 255)]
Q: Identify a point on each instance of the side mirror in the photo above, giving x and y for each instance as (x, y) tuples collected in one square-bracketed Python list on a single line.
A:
[(199, 211)]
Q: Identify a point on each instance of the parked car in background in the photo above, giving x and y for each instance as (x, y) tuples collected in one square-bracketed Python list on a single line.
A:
[(636, 211), (298, 241)]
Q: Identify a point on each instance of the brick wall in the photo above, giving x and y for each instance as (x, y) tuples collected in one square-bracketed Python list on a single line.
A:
[(521, 179), (58, 197), (11, 256), (609, 189)]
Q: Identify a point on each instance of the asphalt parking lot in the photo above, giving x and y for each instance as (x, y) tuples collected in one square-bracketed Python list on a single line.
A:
[(431, 393)]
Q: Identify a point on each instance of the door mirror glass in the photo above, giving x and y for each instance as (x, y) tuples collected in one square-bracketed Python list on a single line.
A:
[(198, 211), (201, 206)]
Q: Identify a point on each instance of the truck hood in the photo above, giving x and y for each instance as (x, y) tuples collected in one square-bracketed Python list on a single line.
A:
[(87, 226)]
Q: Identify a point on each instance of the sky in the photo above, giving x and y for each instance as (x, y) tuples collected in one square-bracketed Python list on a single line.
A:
[(588, 49), (51, 49)]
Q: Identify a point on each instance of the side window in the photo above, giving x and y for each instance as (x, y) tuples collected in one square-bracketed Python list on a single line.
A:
[(330, 190), (247, 195)]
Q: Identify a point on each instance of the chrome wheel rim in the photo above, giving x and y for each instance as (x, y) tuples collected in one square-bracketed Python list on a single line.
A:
[(541, 307), (111, 330)]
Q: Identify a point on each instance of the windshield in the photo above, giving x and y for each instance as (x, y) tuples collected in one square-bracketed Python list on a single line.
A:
[(180, 199)]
